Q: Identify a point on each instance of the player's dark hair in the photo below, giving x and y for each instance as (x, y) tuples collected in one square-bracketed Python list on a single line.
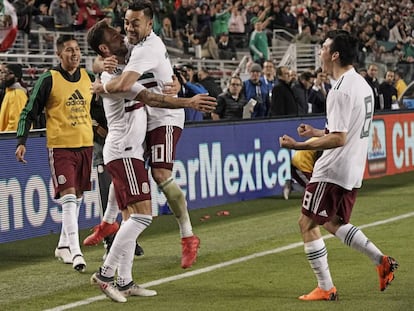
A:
[(96, 35), (345, 44), (143, 5), (62, 39)]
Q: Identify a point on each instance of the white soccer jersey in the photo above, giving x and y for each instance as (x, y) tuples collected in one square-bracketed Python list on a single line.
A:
[(127, 125), (150, 59), (349, 108)]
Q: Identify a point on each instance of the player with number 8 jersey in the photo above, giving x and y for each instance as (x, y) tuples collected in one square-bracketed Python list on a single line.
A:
[(331, 193)]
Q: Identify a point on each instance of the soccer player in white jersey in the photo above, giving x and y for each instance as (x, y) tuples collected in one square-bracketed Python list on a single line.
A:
[(338, 173), (150, 63), (124, 157)]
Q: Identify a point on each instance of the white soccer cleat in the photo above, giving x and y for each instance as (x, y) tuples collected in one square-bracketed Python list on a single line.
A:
[(107, 286), (63, 254), (133, 289), (79, 263)]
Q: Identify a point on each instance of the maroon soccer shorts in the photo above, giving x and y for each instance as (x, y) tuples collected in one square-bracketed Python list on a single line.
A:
[(322, 201), (70, 167), (162, 142), (130, 179)]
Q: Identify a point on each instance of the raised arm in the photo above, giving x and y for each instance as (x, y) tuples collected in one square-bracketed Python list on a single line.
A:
[(201, 102)]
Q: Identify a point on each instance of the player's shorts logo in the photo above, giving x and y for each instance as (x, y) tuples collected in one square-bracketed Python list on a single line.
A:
[(145, 188), (61, 179)]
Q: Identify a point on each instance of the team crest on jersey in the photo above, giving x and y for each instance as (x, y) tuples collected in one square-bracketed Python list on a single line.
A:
[(145, 188), (61, 179)]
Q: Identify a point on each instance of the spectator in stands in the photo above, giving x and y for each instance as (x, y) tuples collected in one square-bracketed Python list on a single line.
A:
[(220, 18), (88, 15), (283, 100), (183, 15), (209, 48), (293, 77), (209, 83), (400, 84), (109, 17), (43, 24), (382, 32), (312, 21), (230, 104), (277, 20), (106, 5), (372, 80), (318, 92), (43, 19), (63, 13), (305, 36), (15, 97), (24, 10), (185, 75), (258, 44), (363, 72), (408, 51), (167, 33), (226, 47), (237, 25), (288, 17), (254, 89), (203, 19), (397, 32), (118, 12), (388, 92), (301, 92), (186, 38), (268, 78)]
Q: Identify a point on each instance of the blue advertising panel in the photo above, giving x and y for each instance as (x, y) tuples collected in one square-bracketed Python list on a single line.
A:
[(27, 205), (226, 163), (216, 164)]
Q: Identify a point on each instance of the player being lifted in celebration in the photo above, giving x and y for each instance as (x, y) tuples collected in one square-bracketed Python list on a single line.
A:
[(150, 63), (123, 155), (331, 193)]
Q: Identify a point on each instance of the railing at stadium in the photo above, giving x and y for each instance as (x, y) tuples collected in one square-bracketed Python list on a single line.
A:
[(41, 57)]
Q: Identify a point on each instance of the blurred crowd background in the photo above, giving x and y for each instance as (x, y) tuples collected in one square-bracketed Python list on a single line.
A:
[(259, 58)]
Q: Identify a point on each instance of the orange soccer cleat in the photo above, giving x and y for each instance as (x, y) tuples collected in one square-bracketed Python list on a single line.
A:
[(100, 232), (190, 247), (386, 271), (320, 294)]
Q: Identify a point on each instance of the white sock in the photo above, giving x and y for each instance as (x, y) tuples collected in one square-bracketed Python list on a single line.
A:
[(112, 210), (317, 256), (124, 245), (356, 239), (78, 205), (63, 239), (178, 205), (125, 267), (70, 223)]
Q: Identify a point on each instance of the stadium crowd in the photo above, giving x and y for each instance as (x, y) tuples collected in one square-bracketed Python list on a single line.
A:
[(218, 29)]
